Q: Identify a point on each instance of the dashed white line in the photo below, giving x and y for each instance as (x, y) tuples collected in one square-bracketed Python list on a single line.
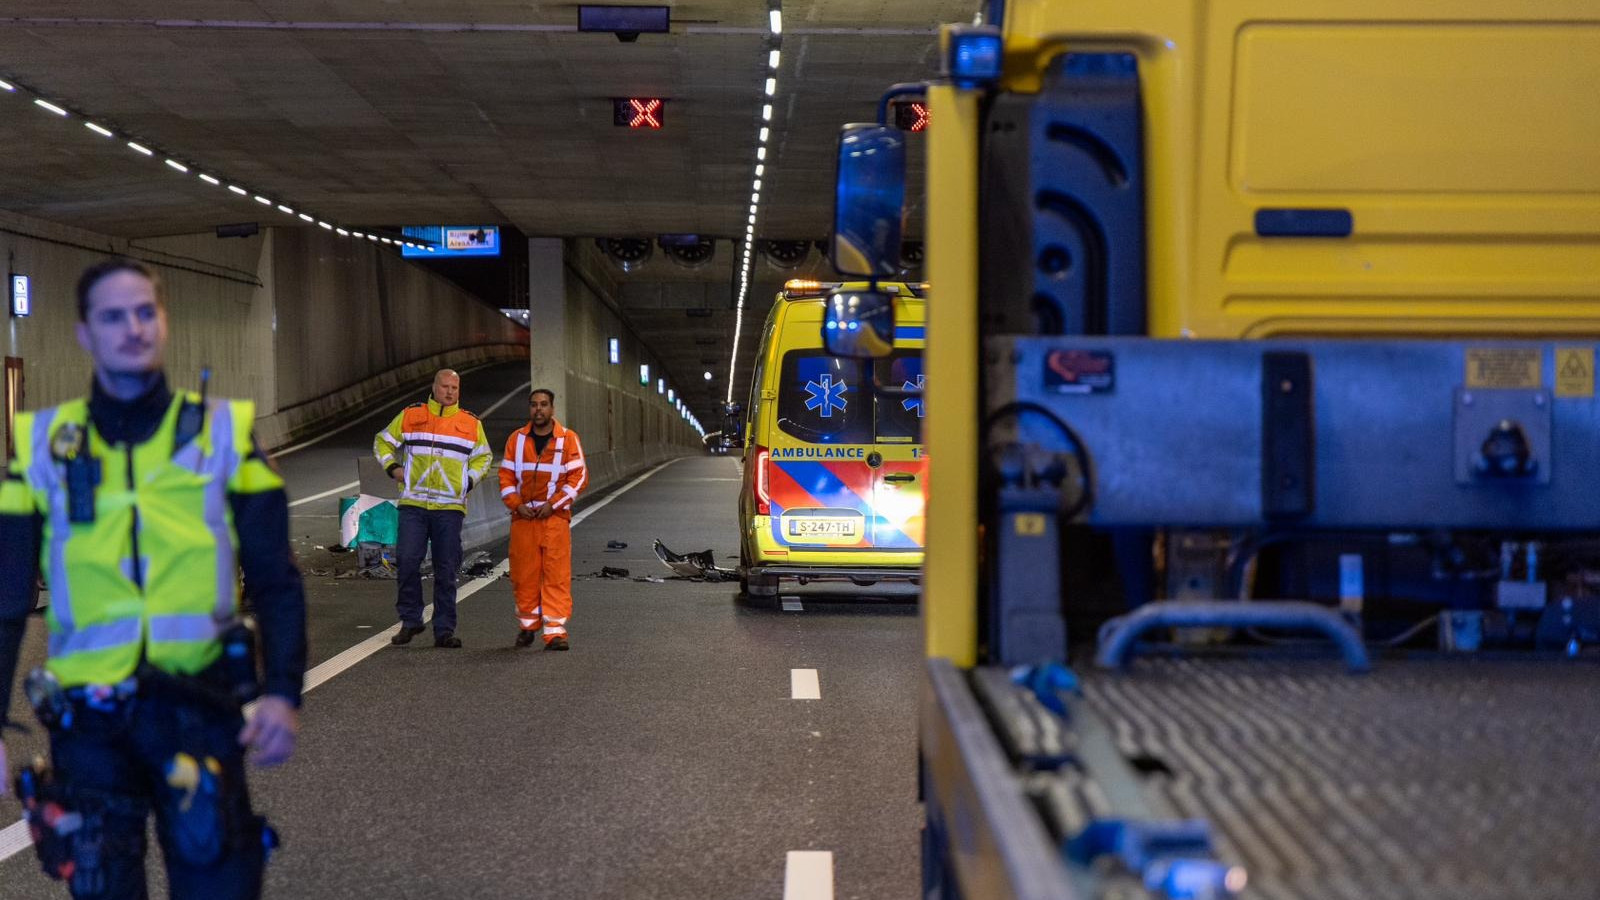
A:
[(804, 684), (808, 875)]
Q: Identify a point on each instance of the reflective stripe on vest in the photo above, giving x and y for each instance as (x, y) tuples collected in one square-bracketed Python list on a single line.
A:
[(108, 610)]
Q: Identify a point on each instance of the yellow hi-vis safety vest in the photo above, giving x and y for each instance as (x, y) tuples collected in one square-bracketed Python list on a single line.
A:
[(156, 572), (443, 453)]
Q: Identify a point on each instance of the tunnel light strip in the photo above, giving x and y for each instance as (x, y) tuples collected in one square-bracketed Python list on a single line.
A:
[(769, 91), (177, 165)]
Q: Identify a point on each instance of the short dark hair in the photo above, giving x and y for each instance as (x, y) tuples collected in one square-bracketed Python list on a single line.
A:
[(545, 391), (105, 269)]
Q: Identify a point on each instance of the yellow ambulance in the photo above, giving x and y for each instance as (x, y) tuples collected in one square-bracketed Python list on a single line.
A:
[(835, 484)]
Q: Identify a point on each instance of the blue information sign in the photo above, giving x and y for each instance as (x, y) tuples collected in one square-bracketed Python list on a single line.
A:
[(453, 240)]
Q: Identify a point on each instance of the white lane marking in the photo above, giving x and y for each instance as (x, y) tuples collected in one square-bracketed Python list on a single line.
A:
[(331, 667), (590, 510), (502, 401), (804, 684), (326, 670), (345, 487), (327, 493), (808, 875), (793, 606), (14, 838), (351, 424)]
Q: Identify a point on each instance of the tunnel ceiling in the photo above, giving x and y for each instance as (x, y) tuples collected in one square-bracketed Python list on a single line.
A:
[(380, 112)]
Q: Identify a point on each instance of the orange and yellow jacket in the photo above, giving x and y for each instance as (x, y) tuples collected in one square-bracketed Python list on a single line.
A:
[(554, 476), (443, 450)]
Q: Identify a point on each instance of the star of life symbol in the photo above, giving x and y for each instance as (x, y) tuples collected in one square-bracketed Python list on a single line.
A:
[(914, 404), (826, 394)]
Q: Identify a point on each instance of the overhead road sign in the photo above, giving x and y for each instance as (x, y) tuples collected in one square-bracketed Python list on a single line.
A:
[(453, 240)]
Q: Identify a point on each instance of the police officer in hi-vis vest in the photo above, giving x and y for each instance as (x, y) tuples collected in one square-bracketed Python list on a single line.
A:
[(142, 506)]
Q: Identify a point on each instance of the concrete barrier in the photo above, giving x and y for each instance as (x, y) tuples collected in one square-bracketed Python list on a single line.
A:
[(315, 416)]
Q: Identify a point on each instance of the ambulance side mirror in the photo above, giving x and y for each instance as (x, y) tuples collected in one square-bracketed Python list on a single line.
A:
[(869, 202), (859, 324)]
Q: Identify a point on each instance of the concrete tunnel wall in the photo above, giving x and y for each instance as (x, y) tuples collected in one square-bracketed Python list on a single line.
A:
[(314, 328)]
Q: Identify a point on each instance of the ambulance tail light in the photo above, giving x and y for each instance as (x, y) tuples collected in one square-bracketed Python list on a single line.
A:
[(763, 484)]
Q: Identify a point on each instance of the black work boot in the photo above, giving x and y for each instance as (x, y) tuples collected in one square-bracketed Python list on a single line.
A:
[(559, 643), (526, 638), (406, 633), (447, 640)]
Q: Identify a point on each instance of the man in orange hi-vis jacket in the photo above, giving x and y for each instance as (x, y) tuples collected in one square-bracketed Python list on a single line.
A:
[(540, 477)]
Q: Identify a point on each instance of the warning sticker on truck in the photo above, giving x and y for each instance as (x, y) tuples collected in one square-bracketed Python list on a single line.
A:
[(1574, 371), (1079, 371), (1504, 368)]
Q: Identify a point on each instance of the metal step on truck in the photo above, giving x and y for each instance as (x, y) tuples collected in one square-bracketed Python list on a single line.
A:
[(1263, 546)]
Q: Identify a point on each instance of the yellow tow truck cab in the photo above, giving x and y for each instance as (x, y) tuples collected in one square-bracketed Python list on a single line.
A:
[(834, 469)]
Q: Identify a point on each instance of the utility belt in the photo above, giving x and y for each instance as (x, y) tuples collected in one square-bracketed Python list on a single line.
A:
[(200, 803), (225, 686), (78, 834)]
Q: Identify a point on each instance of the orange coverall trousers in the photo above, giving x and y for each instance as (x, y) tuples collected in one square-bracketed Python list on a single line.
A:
[(541, 574)]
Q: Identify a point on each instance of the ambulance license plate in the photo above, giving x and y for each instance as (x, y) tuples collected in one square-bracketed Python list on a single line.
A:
[(823, 527)]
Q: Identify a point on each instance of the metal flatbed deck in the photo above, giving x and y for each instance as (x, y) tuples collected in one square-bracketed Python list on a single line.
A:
[(1428, 778)]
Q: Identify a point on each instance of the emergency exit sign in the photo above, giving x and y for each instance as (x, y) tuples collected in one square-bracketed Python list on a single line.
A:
[(639, 112), (21, 296)]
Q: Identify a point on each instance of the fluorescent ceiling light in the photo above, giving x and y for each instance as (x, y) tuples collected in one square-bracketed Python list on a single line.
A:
[(140, 148), (772, 59), (760, 168), (209, 180), (766, 112), (372, 237), (756, 185), (325, 225), (263, 201), (358, 234), (177, 165), (777, 21), (762, 137), (342, 232), (752, 218), (285, 209), (761, 153), (238, 190), (386, 240), (772, 86), (103, 132), (6, 85), (52, 107), (755, 196), (307, 218)]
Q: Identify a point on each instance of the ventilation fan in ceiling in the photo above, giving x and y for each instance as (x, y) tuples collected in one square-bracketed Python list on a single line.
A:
[(690, 254), (628, 253), (787, 254)]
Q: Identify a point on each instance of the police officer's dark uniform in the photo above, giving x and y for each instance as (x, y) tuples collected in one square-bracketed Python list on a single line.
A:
[(142, 514)]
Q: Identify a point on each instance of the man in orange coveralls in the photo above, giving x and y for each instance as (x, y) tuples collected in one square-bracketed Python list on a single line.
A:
[(540, 477)]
